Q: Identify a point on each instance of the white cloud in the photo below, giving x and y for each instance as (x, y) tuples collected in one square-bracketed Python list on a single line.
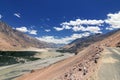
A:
[(82, 25), (47, 30), (113, 20), (51, 39), (22, 29), (86, 34), (92, 25), (25, 29), (75, 36), (1, 16), (78, 22), (66, 27), (33, 32), (17, 15), (65, 40), (93, 29), (78, 28), (58, 28), (62, 28)]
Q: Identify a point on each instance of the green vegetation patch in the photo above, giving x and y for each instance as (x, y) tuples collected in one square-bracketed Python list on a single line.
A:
[(13, 57)]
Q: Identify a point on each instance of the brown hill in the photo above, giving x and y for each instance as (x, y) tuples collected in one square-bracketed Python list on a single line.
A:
[(78, 67), (11, 39)]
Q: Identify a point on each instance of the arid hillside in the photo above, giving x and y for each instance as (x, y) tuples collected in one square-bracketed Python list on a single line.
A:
[(78, 67), (11, 39), (81, 43)]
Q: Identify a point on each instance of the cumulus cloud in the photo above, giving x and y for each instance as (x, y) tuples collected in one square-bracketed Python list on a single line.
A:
[(58, 28), (78, 22), (66, 27), (22, 29), (65, 40), (78, 28), (86, 26), (1, 16), (51, 39), (92, 25), (75, 36), (47, 30), (17, 15), (93, 29), (33, 32), (25, 29), (62, 28), (113, 20), (82, 25)]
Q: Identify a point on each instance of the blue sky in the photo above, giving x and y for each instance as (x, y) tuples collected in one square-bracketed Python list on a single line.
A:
[(61, 21)]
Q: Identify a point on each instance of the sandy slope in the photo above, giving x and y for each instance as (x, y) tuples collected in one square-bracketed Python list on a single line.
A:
[(71, 68), (110, 65), (68, 69)]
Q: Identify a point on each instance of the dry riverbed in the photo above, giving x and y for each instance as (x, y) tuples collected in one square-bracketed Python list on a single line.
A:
[(48, 57)]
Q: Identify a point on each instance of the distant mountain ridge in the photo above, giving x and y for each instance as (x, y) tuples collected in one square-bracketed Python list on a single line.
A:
[(81, 43), (11, 39)]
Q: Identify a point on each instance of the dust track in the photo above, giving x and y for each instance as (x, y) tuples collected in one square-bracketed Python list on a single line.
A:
[(110, 65)]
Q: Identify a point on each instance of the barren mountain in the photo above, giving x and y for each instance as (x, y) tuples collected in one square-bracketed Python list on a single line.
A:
[(81, 43), (80, 66), (11, 39)]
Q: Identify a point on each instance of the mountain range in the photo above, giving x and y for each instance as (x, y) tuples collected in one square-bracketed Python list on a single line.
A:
[(81, 43), (11, 39)]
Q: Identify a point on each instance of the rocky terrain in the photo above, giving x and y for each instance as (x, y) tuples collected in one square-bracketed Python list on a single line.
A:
[(79, 67)]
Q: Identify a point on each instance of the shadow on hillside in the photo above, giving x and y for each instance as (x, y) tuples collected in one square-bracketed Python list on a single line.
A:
[(13, 57)]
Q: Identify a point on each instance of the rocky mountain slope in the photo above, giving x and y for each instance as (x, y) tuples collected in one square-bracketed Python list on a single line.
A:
[(81, 43), (78, 67), (11, 39)]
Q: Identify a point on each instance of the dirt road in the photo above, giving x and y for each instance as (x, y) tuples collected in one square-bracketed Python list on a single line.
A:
[(110, 65)]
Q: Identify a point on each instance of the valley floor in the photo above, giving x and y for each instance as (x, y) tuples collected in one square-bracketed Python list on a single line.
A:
[(13, 71)]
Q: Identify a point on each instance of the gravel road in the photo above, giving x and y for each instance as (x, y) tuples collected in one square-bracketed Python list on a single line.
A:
[(110, 65)]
